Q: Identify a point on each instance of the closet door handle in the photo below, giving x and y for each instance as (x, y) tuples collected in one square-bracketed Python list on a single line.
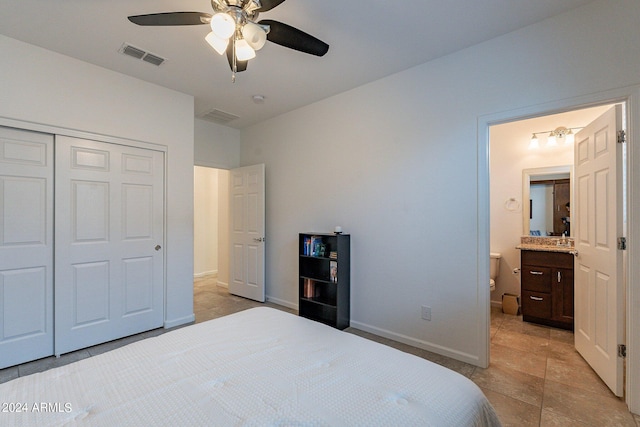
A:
[(157, 248), (536, 273), (559, 277), (536, 298)]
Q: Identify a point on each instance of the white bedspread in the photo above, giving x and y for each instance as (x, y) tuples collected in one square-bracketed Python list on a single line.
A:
[(259, 367)]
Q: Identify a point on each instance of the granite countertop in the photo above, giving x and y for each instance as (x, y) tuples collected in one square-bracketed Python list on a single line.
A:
[(545, 244), (546, 248)]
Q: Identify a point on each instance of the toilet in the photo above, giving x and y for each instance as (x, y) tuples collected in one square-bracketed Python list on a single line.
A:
[(494, 268)]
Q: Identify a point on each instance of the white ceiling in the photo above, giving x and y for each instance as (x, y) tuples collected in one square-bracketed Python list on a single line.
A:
[(368, 40)]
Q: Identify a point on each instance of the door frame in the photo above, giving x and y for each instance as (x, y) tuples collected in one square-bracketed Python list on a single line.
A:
[(631, 97), (56, 130)]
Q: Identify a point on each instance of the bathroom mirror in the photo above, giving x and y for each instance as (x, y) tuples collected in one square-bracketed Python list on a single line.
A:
[(538, 203)]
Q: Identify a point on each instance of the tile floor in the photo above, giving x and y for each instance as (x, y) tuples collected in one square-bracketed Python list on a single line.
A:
[(536, 378)]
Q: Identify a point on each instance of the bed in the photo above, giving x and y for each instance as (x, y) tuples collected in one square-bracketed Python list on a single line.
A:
[(257, 367)]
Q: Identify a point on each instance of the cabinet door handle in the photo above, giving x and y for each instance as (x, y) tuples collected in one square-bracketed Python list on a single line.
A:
[(559, 277), (536, 298), (536, 273)]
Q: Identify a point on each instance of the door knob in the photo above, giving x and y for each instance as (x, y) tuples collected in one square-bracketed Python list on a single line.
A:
[(258, 239), (158, 247)]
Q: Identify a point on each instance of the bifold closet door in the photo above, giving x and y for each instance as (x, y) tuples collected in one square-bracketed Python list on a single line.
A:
[(26, 246), (109, 277)]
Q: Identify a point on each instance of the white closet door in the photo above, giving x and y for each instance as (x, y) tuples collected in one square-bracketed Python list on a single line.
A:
[(109, 235), (26, 246)]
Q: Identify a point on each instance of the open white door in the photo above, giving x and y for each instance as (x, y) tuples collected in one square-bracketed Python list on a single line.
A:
[(26, 246), (599, 292), (109, 277), (247, 231)]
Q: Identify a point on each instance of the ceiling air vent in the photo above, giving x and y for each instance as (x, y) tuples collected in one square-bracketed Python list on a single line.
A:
[(218, 116), (135, 52)]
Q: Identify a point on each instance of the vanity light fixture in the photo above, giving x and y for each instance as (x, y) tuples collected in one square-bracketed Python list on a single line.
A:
[(561, 133)]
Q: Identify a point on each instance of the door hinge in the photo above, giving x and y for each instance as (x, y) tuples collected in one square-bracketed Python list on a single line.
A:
[(622, 351), (622, 136), (622, 243)]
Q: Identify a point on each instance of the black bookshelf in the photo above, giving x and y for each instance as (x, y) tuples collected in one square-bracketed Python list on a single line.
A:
[(324, 273)]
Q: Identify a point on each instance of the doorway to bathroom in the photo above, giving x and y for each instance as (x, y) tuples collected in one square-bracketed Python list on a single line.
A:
[(211, 225), (526, 145)]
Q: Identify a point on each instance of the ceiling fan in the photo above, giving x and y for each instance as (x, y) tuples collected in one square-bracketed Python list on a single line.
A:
[(236, 31)]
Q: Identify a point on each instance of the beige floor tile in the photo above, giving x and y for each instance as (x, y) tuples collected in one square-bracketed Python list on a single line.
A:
[(513, 412), (561, 335), (566, 352), (580, 376), (518, 341), (552, 419), (589, 408), (523, 361), (518, 385), (517, 325)]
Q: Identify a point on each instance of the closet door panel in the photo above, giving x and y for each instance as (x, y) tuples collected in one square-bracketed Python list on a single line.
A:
[(109, 237), (26, 246)]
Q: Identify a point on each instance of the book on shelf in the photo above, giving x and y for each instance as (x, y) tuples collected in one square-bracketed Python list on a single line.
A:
[(308, 291), (333, 255), (317, 246), (333, 270), (306, 250)]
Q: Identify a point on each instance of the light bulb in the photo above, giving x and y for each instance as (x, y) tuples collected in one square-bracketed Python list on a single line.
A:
[(223, 25), (551, 140), (244, 52), (570, 137), (217, 43), (255, 36), (533, 144)]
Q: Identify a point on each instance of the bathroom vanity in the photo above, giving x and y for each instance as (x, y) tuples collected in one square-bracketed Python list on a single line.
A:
[(547, 284)]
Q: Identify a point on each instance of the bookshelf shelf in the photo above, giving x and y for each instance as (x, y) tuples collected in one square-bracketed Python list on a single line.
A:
[(324, 270)]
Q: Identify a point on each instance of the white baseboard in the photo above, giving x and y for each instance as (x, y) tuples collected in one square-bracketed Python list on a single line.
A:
[(283, 303), (212, 273), (497, 304), (425, 345), (223, 284)]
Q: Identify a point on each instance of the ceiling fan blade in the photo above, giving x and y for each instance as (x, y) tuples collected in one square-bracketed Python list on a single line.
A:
[(269, 4), (171, 18), (288, 36), (240, 65)]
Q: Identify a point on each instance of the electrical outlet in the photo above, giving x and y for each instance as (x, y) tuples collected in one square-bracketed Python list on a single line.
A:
[(426, 312)]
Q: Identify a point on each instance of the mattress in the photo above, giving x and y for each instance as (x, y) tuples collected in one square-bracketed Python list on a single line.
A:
[(259, 367)]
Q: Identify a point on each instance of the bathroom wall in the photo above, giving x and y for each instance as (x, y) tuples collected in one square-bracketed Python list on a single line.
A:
[(509, 155), (205, 223)]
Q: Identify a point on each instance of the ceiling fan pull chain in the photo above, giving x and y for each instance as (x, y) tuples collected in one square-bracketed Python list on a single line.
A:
[(235, 61)]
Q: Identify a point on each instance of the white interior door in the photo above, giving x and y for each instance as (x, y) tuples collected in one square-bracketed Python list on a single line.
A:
[(109, 278), (599, 292), (247, 231), (26, 246)]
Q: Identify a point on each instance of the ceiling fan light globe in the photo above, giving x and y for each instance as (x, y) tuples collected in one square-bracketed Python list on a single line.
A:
[(220, 45), (223, 25), (244, 52), (255, 36)]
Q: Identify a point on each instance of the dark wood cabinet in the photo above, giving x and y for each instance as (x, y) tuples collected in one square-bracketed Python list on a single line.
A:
[(547, 288), (324, 278)]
